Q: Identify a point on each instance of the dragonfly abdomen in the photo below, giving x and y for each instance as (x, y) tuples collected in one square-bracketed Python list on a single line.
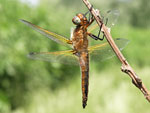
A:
[(84, 64)]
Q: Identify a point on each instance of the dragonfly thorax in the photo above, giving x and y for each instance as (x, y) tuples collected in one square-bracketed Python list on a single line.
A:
[(80, 19)]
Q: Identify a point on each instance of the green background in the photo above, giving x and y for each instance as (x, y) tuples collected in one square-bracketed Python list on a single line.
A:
[(29, 86)]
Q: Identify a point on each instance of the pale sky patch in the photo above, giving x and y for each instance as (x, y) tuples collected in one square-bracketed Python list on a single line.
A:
[(31, 2)]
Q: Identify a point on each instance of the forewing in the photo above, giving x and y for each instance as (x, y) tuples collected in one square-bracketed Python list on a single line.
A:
[(65, 57), (103, 51), (53, 36), (110, 17)]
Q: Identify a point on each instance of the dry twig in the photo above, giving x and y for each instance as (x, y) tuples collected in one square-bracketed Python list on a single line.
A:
[(125, 65)]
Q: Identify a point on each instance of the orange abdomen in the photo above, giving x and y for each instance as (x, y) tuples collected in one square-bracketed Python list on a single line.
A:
[(84, 65)]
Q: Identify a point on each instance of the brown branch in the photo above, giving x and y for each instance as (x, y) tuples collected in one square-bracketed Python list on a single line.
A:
[(125, 65)]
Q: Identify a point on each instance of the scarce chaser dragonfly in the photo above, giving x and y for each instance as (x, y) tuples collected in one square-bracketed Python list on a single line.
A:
[(78, 43)]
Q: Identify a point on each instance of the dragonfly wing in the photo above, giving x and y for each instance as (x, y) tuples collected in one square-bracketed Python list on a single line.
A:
[(53, 36), (65, 57), (110, 17), (104, 51)]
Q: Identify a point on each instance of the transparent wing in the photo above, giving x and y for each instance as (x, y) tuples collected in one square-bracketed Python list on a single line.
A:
[(110, 17), (103, 51), (53, 36), (65, 57)]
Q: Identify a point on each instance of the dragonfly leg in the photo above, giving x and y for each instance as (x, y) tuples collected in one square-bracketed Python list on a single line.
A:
[(100, 30), (105, 24), (88, 11), (90, 18), (90, 21), (98, 36), (94, 37)]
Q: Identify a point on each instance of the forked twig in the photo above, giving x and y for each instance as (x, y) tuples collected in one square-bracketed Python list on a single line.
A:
[(125, 65)]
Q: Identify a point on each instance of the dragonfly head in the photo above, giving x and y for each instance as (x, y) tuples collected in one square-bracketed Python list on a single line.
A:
[(79, 19)]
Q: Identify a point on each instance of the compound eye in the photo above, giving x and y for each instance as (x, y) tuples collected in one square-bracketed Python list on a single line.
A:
[(76, 20)]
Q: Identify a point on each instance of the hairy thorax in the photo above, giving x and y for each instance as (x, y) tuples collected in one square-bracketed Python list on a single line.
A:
[(79, 39)]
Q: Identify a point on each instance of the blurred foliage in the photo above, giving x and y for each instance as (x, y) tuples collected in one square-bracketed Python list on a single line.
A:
[(141, 13), (26, 86)]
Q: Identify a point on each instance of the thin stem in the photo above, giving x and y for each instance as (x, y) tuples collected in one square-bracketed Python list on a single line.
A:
[(126, 68)]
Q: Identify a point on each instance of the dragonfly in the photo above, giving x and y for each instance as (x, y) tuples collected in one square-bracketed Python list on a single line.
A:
[(80, 51)]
